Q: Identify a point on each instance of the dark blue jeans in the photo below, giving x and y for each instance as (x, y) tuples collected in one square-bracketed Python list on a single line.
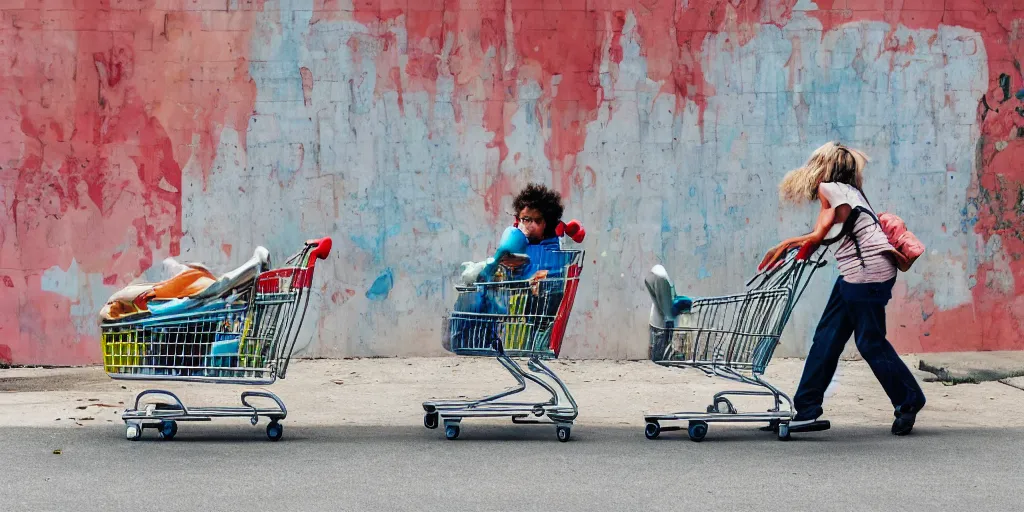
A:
[(857, 309)]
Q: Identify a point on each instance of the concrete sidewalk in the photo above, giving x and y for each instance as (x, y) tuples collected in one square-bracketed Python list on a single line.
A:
[(390, 391)]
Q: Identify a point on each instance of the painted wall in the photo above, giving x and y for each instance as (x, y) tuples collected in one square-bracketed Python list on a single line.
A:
[(134, 130)]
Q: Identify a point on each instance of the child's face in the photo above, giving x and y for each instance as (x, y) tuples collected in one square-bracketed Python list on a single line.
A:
[(532, 224)]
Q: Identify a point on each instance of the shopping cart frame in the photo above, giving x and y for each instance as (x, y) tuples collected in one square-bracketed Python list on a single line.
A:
[(560, 409), (270, 316), (730, 357)]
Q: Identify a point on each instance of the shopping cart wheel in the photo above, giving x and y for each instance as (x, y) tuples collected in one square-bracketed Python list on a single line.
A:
[(133, 432), (430, 420), (784, 432), (652, 430), (697, 430), (563, 433), (168, 428), (274, 431), (451, 432)]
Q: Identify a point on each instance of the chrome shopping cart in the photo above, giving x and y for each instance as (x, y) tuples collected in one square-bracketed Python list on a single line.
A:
[(246, 339), (513, 319), (734, 337)]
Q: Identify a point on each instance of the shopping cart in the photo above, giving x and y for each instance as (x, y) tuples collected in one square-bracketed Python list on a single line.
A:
[(247, 339), (734, 337), (513, 319)]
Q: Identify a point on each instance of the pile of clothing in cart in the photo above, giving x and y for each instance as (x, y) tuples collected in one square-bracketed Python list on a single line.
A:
[(191, 287), (192, 322)]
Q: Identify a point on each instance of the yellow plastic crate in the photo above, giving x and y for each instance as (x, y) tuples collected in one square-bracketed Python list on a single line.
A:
[(122, 351)]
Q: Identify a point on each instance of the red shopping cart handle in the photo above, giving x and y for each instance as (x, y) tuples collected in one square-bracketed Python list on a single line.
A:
[(322, 250), (806, 250), (804, 254)]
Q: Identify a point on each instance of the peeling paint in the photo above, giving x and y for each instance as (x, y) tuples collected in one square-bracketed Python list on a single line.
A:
[(666, 125)]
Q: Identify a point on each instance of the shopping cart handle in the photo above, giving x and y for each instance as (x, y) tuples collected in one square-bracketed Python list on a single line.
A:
[(806, 250), (322, 250), (762, 270)]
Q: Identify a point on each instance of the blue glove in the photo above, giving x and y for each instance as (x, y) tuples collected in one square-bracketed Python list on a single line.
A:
[(513, 241)]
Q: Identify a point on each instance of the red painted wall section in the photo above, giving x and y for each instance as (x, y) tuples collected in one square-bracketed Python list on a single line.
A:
[(100, 108)]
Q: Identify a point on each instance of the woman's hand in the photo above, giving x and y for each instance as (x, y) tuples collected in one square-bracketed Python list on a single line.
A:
[(826, 218), (774, 254)]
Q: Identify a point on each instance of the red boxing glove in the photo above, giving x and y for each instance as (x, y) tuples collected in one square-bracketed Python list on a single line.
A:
[(575, 231)]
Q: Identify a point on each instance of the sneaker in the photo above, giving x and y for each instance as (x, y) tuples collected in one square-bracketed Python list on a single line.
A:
[(904, 421), (814, 425)]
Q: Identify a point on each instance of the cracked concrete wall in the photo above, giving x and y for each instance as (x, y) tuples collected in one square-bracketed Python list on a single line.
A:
[(142, 129)]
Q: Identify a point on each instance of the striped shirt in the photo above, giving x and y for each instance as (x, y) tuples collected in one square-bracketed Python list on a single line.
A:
[(873, 265)]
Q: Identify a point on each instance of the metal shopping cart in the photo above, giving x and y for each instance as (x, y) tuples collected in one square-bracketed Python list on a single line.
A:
[(247, 339), (506, 320), (734, 337)]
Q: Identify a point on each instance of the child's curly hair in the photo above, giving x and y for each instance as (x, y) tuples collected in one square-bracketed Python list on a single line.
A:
[(546, 201)]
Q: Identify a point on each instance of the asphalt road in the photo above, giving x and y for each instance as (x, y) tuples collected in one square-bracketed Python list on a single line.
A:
[(233, 467)]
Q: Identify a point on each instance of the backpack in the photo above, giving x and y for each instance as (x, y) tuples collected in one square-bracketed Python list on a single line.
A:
[(906, 247)]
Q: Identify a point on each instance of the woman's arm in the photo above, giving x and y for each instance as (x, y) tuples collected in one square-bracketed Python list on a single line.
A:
[(827, 217)]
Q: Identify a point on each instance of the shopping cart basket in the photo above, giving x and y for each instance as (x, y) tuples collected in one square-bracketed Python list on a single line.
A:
[(248, 340), (506, 320), (734, 337)]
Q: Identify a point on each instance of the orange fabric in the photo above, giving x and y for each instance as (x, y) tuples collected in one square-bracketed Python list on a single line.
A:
[(134, 299), (121, 304), (186, 283)]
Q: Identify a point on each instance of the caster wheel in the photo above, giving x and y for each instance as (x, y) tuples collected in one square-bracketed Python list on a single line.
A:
[(652, 430), (274, 431), (562, 433), (168, 429), (697, 430), (133, 432), (451, 432), (430, 420), (784, 432), (773, 426)]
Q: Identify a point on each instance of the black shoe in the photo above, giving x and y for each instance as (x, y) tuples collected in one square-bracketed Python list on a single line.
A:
[(905, 419), (814, 425)]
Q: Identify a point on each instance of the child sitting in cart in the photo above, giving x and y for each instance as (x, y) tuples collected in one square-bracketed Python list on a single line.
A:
[(538, 214)]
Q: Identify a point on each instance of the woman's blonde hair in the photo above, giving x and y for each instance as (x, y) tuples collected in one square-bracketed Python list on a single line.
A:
[(832, 162)]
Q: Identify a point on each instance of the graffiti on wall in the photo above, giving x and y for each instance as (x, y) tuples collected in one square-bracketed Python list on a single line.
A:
[(402, 129)]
